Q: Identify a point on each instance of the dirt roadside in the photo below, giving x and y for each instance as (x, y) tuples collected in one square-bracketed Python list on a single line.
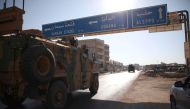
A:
[(149, 93)]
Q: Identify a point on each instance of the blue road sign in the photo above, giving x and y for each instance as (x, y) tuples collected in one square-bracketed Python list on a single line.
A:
[(150, 16), (101, 23), (143, 17), (60, 28)]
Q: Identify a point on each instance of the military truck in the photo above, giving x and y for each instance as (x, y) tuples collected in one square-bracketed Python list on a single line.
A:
[(32, 66)]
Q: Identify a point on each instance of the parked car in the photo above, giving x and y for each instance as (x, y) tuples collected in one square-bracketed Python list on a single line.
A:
[(131, 68), (180, 94)]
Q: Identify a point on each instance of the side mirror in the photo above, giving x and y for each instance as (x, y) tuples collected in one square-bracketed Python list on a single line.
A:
[(179, 84)]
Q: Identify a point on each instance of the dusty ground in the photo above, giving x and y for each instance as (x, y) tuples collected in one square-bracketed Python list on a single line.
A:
[(145, 93), (149, 93)]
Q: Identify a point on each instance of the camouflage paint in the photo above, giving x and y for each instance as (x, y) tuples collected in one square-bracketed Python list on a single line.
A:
[(71, 62)]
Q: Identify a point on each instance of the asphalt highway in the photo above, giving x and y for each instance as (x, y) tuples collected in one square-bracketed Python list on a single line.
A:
[(112, 86)]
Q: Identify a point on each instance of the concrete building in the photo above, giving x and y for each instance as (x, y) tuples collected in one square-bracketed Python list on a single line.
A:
[(115, 66), (106, 56), (100, 50)]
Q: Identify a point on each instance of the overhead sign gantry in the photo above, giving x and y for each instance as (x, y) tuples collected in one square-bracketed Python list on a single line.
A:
[(154, 19), (109, 23)]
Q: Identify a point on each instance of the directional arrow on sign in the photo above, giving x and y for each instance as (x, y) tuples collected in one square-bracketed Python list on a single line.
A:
[(160, 13)]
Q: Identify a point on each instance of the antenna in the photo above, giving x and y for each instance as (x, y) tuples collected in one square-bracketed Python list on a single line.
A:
[(5, 4), (23, 5), (13, 3)]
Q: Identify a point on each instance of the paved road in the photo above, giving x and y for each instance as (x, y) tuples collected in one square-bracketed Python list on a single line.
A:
[(112, 87)]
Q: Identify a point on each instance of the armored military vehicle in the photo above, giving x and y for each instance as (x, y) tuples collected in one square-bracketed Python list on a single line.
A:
[(32, 66), (131, 68)]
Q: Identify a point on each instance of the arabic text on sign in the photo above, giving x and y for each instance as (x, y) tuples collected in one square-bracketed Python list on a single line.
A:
[(145, 21), (107, 18), (57, 33), (108, 26)]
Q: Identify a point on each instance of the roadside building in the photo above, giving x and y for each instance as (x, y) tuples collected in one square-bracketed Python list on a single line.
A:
[(99, 50), (115, 66), (106, 56)]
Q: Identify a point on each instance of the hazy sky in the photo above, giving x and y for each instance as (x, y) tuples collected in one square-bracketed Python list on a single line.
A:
[(130, 47)]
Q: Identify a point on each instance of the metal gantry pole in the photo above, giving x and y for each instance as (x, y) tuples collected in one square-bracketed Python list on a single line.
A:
[(184, 17)]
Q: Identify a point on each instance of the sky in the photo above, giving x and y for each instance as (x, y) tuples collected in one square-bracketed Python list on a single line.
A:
[(139, 47)]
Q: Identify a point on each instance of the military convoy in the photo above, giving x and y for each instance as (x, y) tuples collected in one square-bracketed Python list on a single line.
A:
[(32, 66)]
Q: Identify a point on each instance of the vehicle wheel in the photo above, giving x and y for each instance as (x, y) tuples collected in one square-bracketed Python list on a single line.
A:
[(38, 65), (57, 95), (94, 85), (173, 103), (11, 101)]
